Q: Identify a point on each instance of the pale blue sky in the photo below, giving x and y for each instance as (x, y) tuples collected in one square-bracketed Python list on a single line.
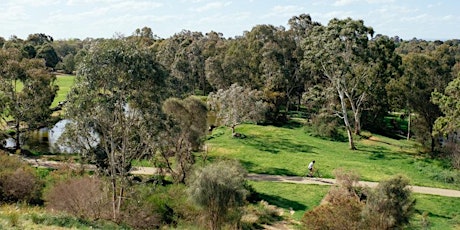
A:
[(63, 19)]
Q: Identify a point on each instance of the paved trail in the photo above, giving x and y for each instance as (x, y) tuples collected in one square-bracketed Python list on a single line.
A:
[(325, 181), (262, 177)]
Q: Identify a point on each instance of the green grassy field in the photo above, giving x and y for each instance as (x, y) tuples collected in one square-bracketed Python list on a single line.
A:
[(64, 82), (287, 151)]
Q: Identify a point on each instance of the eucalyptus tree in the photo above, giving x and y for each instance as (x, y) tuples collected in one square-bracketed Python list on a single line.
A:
[(236, 105), (449, 103), (448, 124), (182, 55), (184, 133), (386, 68), (422, 75), (114, 109), (27, 90), (339, 52)]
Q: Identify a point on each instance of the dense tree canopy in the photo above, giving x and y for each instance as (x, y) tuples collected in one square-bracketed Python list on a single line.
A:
[(114, 109), (27, 90)]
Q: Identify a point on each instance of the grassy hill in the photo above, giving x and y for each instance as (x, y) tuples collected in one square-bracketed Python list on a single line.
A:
[(288, 150)]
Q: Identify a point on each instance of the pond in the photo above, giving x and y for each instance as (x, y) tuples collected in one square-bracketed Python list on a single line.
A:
[(43, 140)]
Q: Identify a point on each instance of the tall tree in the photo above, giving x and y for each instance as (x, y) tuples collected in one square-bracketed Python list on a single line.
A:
[(386, 67), (422, 75), (449, 104), (27, 89), (339, 53), (114, 109)]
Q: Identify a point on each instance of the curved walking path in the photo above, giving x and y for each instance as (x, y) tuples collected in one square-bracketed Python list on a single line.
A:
[(326, 181), (259, 177)]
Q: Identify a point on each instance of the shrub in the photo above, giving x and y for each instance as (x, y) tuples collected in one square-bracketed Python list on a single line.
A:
[(18, 181), (344, 213), (84, 197), (341, 208), (326, 127), (390, 205), (149, 207), (219, 188)]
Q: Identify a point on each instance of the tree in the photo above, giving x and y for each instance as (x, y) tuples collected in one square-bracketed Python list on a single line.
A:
[(47, 52), (114, 109), (237, 105), (386, 67), (448, 124), (449, 104), (184, 134), (27, 89), (422, 76), (218, 188), (339, 53)]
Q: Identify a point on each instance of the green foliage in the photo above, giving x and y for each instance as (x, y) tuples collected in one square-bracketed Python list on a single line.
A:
[(327, 127), (31, 102), (184, 133), (48, 53), (237, 105), (390, 205), (218, 188)]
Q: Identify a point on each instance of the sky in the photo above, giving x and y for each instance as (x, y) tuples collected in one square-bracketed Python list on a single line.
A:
[(67, 19)]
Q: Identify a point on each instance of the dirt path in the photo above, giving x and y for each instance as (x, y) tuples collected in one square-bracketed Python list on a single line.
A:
[(257, 177), (325, 181)]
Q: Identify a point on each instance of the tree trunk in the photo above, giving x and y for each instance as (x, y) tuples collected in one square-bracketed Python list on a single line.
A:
[(357, 116), (345, 119), (114, 199), (18, 134), (408, 126)]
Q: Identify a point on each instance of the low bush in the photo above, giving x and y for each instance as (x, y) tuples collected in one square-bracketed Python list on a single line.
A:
[(150, 207), (18, 181), (341, 208), (390, 205), (326, 127), (84, 197)]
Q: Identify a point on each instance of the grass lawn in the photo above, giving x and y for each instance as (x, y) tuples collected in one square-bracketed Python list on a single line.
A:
[(64, 82), (288, 150)]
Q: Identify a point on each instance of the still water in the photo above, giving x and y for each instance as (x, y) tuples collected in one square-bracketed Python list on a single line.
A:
[(43, 140)]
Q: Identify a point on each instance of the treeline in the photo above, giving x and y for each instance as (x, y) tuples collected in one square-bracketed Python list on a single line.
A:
[(340, 70)]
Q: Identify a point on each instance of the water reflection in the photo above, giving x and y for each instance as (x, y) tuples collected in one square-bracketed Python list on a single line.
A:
[(43, 140)]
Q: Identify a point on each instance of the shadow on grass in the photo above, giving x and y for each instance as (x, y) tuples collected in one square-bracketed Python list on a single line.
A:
[(281, 202), (251, 167), (275, 145), (380, 153)]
